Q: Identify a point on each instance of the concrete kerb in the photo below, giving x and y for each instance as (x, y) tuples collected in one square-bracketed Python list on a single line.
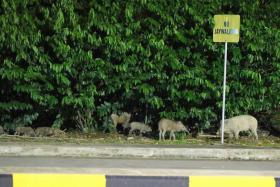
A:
[(141, 152)]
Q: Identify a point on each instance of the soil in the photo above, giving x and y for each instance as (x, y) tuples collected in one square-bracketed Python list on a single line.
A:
[(120, 139)]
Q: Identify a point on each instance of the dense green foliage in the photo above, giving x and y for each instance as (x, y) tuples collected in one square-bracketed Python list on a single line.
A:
[(72, 63), (275, 122)]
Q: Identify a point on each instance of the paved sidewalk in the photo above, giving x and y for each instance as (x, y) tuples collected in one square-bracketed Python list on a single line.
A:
[(140, 152)]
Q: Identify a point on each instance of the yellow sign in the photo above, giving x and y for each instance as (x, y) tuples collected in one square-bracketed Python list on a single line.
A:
[(226, 28)]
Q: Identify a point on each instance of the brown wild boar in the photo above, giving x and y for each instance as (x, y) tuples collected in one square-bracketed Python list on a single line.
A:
[(122, 119), (44, 131), (25, 131), (165, 125), (59, 133), (233, 126), (139, 126)]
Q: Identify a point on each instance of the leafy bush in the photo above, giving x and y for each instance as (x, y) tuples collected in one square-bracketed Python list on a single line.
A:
[(275, 122), (104, 112), (67, 58), (10, 124), (85, 121)]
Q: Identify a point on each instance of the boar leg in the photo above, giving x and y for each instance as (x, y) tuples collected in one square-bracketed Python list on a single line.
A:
[(163, 135), (141, 132), (173, 135), (130, 132), (160, 134), (254, 131), (236, 135)]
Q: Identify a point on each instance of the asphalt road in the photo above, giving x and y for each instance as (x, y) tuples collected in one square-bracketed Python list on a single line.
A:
[(137, 167)]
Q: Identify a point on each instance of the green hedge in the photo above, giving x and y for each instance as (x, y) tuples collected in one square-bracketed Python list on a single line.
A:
[(72, 63), (275, 122)]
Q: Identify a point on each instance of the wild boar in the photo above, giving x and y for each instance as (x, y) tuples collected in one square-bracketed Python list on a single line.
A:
[(233, 126), (121, 122), (139, 126), (59, 133), (44, 131), (122, 119), (1, 130), (165, 125), (25, 131)]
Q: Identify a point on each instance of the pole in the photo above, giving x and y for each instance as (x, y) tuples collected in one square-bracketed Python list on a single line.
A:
[(224, 94)]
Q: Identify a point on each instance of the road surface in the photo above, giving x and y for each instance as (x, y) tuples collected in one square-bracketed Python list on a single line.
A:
[(137, 167)]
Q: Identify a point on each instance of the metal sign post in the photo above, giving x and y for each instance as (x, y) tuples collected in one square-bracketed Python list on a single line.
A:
[(226, 30), (224, 94)]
